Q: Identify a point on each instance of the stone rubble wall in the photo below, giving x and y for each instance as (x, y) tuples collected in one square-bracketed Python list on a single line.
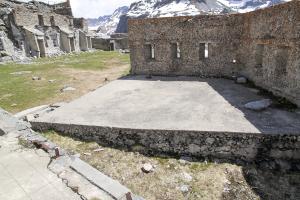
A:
[(262, 45), (247, 147), (20, 21)]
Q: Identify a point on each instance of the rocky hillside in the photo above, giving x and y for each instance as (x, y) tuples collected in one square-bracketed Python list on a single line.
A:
[(167, 8)]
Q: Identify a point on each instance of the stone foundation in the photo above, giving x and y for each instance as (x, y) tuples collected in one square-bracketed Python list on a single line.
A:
[(247, 147)]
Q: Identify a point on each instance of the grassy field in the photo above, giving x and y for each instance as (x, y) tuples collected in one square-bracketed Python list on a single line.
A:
[(84, 71)]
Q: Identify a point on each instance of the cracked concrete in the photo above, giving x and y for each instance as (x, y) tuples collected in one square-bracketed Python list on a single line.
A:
[(27, 172)]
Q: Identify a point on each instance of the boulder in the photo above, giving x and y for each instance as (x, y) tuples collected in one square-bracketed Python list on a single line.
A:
[(258, 105)]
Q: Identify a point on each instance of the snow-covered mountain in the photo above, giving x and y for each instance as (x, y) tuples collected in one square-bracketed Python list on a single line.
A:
[(107, 24), (167, 8)]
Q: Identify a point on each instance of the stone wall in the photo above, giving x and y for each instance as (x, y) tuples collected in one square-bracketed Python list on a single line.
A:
[(262, 45), (101, 43), (29, 17), (229, 146), (38, 29)]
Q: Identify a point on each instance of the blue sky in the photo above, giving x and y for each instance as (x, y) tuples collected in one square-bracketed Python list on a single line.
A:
[(93, 8)]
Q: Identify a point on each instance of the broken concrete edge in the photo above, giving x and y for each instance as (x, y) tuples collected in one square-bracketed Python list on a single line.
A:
[(235, 148), (112, 187), (24, 113), (32, 113), (56, 154)]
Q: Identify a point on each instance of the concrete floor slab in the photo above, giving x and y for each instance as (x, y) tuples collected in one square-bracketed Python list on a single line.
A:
[(174, 103)]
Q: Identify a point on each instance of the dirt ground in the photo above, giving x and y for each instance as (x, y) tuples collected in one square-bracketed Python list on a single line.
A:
[(86, 81)]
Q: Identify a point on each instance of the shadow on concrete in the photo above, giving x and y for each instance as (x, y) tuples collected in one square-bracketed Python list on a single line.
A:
[(269, 179), (277, 119)]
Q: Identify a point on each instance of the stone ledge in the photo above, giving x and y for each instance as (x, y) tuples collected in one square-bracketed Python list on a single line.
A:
[(248, 147)]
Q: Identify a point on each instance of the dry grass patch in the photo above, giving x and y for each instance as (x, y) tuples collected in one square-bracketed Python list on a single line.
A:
[(203, 180)]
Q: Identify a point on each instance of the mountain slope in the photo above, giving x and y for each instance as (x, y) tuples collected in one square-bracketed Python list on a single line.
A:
[(168, 8)]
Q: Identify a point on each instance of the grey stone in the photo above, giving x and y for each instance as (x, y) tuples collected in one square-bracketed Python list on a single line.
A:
[(67, 89), (258, 105), (51, 81), (241, 80), (147, 168), (36, 78), (104, 182), (184, 188), (210, 140)]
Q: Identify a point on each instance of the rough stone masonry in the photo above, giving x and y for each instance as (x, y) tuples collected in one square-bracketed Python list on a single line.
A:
[(263, 45), (36, 29)]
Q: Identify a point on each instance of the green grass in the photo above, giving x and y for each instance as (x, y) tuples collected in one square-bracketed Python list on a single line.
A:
[(22, 91)]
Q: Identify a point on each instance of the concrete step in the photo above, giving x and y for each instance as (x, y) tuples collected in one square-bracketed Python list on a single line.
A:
[(112, 187)]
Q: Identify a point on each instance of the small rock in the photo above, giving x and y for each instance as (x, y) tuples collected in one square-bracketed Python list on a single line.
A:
[(210, 141), (13, 105), (67, 89), (36, 78), (184, 188), (87, 154), (98, 150), (258, 105), (187, 177), (106, 79), (51, 81), (147, 168), (241, 80)]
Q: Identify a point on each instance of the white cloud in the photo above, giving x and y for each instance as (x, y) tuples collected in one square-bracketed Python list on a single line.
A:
[(93, 8), (96, 8)]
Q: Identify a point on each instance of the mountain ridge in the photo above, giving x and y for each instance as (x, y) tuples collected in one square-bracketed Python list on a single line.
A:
[(117, 22)]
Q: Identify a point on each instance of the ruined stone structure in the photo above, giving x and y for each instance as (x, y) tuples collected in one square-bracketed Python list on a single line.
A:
[(263, 45), (117, 41), (36, 29)]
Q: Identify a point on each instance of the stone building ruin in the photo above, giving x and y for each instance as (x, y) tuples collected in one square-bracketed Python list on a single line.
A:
[(263, 45), (37, 29)]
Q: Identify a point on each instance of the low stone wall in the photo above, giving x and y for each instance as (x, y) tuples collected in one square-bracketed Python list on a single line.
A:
[(247, 147)]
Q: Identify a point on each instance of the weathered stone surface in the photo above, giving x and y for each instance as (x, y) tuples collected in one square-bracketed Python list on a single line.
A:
[(67, 89), (259, 105), (109, 185)]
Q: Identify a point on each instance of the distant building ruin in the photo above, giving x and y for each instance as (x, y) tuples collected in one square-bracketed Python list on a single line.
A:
[(116, 42), (263, 45), (36, 29)]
